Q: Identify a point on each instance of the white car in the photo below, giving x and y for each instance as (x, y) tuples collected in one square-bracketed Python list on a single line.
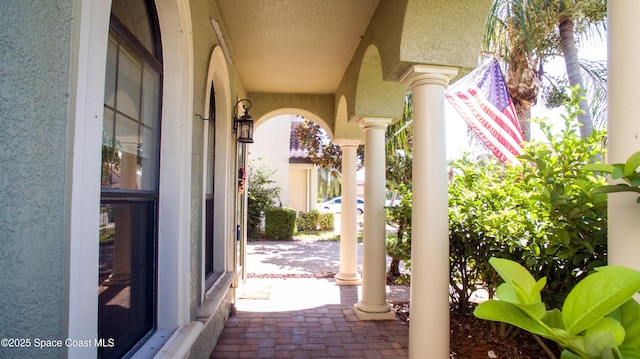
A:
[(335, 205)]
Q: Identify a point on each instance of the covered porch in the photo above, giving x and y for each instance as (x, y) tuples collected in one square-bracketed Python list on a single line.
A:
[(345, 64), (394, 55), (348, 66)]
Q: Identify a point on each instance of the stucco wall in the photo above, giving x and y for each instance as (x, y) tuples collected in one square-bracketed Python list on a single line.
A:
[(202, 45), (271, 145), (440, 33), (318, 108), (205, 343), (204, 41), (34, 103), (403, 33)]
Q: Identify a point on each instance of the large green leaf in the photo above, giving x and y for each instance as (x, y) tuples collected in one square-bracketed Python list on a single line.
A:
[(630, 353), (618, 171), (599, 167), (597, 295), (508, 293), (523, 287), (534, 310), (634, 179), (600, 345), (500, 311), (607, 325), (553, 319), (568, 355), (620, 187), (632, 163), (629, 317)]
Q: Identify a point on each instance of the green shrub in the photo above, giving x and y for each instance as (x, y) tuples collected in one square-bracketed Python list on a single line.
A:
[(314, 221), (280, 223), (399, 247), (627, 171), (476, 191), (325, 221), (542, 213), (573, 234), (308, 221), (262, 194)]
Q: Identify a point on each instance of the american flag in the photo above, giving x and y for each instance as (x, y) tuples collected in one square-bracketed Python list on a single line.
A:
[(487, 108)]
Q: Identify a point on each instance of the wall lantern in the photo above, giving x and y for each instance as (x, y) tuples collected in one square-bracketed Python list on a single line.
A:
[(243, 126)]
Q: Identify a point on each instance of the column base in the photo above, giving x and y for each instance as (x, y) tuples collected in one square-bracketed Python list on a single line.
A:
[(348, 279), (385, 312), (118, 280)]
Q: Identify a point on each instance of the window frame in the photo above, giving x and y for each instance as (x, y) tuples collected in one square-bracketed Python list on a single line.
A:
[(109, 195)]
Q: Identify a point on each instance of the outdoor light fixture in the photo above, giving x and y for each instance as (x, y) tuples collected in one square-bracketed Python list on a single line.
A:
[(243, 126)]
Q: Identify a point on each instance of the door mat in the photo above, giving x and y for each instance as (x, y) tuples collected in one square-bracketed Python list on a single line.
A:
[(255, 291)]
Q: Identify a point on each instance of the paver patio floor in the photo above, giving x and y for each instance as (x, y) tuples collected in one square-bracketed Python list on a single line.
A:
[(307, 318)]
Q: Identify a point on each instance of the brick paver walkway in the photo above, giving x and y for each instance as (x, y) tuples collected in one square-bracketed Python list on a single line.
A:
[(305, 317)]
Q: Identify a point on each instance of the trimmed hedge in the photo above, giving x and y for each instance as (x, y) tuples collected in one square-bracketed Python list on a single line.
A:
[(308, 221), (280, 223), (325, 221), (314, 221)]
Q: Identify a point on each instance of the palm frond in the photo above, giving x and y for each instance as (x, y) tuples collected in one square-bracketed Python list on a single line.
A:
[(595, 78), (399, 135)]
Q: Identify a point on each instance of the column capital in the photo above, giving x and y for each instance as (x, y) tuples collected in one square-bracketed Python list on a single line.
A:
[(428, 75), (374, 122), (345, 142)]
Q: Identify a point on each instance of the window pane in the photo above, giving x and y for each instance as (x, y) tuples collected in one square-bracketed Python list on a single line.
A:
[(111, 73), (125, 282), (107, 128), (151, 98), (135, 17), (211, 156), (127, 145), (110, 155), (148, 158), (129, 77)]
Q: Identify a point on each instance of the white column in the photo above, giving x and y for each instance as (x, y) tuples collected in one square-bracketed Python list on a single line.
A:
[(624, 127), (429, 329), (348, 274), (314, 187), (373, 303)]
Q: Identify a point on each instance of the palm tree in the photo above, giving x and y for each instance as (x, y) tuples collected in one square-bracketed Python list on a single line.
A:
[(400, 134), (514, 36), (578, 15), (526, 33)]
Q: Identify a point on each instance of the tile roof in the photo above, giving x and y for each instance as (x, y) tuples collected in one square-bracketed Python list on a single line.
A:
[(297, 153)]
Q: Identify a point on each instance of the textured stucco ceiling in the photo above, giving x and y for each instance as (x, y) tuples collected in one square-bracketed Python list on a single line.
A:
[(294, 46)]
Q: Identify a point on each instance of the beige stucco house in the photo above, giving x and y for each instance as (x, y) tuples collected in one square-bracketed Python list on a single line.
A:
[(276, 147), (146, 91)]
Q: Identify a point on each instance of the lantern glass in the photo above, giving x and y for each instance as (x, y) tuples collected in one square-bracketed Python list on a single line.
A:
[(245, 130), (243, 126)]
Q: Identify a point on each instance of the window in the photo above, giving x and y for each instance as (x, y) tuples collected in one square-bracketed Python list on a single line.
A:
[(210, 272), (129, 181)]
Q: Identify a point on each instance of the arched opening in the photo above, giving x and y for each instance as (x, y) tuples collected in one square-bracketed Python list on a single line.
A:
[(374, 96), (280, 159), (277, 156)]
